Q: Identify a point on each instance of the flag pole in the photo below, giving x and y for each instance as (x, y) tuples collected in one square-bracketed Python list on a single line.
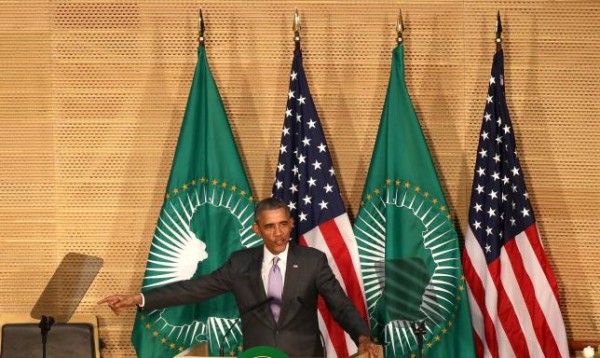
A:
[(297, 27), (498, 33), (200, 28), (400, 28), (418, 327)]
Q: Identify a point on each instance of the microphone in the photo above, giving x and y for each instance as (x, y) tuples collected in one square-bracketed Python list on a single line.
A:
[(247, 310), (305, 306)]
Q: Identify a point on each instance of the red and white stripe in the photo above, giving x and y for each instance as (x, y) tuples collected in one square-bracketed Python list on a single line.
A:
[(514, 299), (336, 239)]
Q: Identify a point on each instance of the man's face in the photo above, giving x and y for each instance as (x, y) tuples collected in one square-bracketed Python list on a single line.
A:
[(274, 227)]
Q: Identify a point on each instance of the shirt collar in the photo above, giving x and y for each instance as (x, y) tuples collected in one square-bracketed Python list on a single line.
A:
[(268, 256)]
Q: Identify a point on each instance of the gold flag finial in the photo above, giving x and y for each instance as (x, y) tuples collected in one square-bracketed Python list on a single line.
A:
[(297, 28), (498, 32), (400, 28), (200, 28)]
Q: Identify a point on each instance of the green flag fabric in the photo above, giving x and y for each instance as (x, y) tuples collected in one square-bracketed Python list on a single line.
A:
[(408, 246), (206, 215)]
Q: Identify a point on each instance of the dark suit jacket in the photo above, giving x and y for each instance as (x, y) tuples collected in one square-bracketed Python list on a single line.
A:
[(297, 333)]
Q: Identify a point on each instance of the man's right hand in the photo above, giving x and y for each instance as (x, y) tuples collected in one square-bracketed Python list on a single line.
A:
[(118, 302)]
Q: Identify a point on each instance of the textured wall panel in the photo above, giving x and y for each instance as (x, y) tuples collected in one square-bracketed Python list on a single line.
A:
[(93, 92)]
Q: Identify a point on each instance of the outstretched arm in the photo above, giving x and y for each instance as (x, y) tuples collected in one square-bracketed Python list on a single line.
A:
[(176, 293), (119, 302)]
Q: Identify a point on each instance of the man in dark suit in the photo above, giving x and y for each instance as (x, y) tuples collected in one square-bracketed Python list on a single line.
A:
[(287, 277)]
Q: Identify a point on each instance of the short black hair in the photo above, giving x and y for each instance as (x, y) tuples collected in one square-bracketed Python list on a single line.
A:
[(271, 203)]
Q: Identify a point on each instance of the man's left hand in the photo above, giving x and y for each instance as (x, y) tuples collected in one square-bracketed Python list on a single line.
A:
[(365, 344)]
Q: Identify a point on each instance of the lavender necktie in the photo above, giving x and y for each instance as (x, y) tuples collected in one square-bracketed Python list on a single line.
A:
[(275, 288)]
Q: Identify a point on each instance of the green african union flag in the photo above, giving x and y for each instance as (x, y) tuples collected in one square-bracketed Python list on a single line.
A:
[(408, 246), (207, 214)]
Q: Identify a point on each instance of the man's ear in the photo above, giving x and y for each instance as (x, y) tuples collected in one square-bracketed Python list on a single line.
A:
[(255, 229)]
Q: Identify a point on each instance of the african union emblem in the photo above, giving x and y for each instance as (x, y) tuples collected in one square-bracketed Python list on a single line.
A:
[(410, 264), (199, 227)]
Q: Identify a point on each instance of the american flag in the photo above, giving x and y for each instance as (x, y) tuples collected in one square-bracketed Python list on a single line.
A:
[(305, 180), (513, 293)]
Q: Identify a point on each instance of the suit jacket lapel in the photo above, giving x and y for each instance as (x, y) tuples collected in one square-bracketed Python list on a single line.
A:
[(255, 277), (258, 288), (292, 274)]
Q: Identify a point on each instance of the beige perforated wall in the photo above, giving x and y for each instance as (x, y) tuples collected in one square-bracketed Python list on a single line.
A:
[(92, 94)]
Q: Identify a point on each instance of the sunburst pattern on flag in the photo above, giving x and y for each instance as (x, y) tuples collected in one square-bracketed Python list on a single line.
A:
[(433, 301), (178, 249)]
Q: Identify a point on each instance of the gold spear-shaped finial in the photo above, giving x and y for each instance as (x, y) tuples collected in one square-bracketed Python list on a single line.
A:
[(399, 28), (200, 28), (498, 33), (297, 28)]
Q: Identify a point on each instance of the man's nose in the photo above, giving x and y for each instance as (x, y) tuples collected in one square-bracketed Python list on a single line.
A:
[(277, 230)]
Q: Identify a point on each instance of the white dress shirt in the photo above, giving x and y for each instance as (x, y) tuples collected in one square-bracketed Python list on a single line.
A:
[(268, 263)]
